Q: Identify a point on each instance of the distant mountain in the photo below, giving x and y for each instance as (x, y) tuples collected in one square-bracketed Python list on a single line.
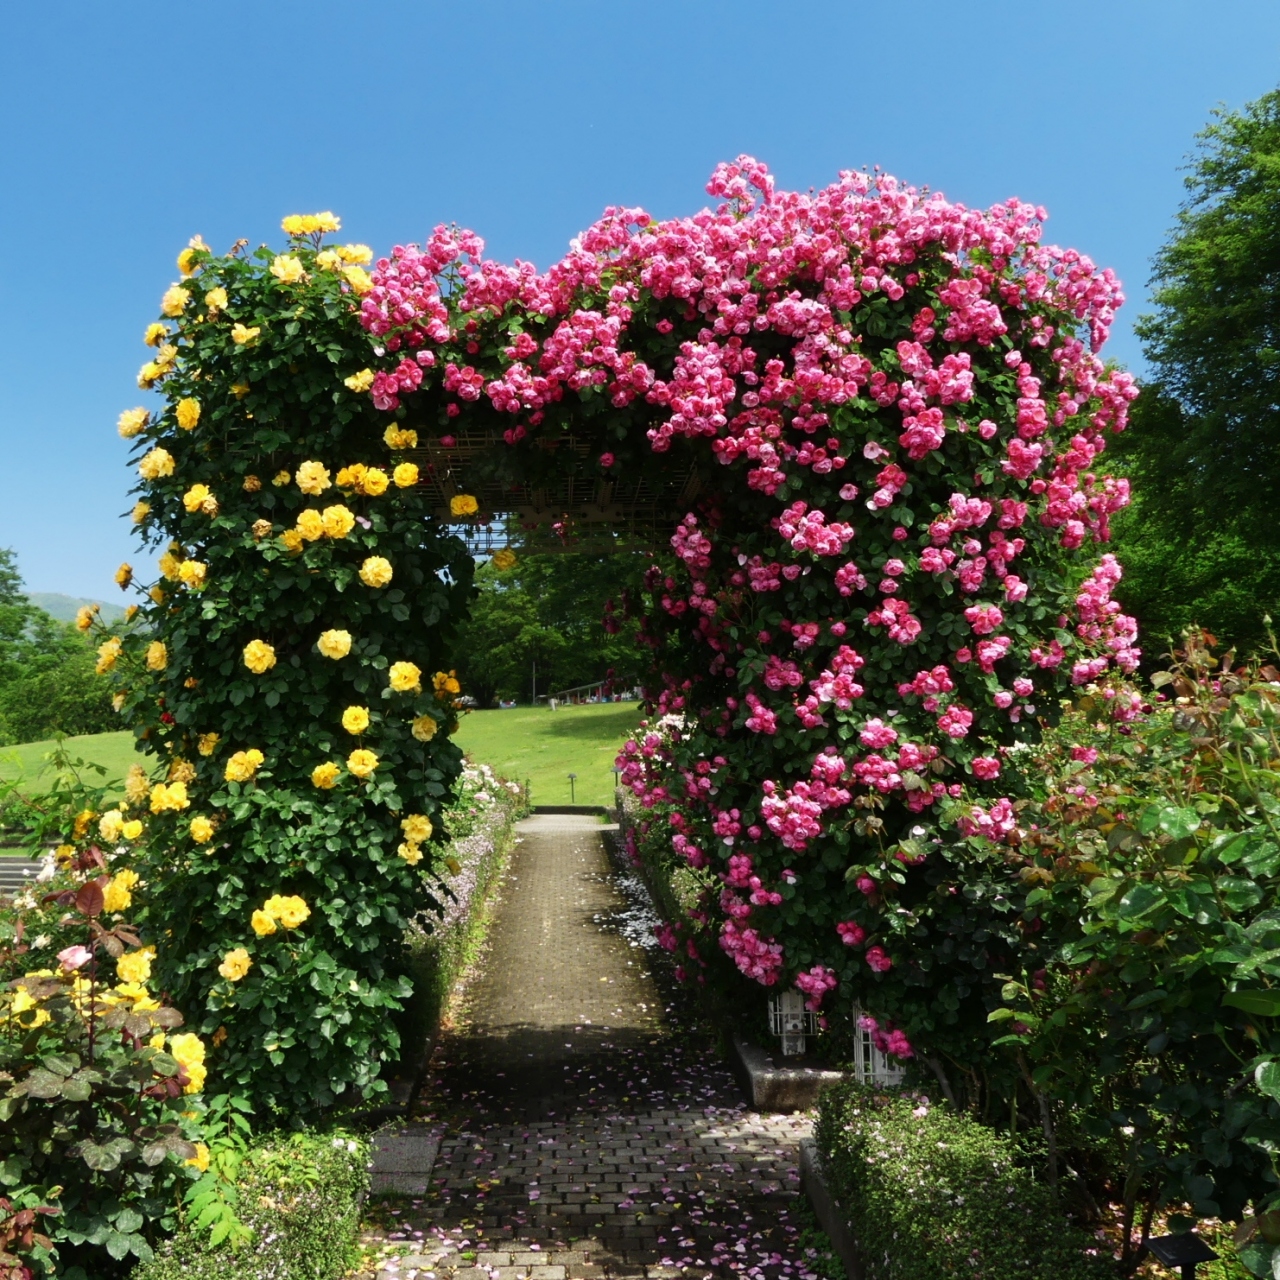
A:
[(64, 608)]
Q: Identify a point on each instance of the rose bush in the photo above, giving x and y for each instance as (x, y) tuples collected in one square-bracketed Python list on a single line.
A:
[(267, 672)]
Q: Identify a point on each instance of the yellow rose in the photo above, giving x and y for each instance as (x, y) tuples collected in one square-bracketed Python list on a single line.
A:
[(131, 422), (287, 269), (375, 572), (108, 652), (239, 390), (191, 573), (295, 224), (80, 827), (504, 559), (85, 615), (328, 260), (199, 1161), (137, 786), (338, 521), (325, 776), (155, 334), (131, 829), (362, 763), (359, 382), (207, 743), (157, 594), (124, 576), (358, 279), (405, 677), (416, 827), (135, 966), (116, 896), (235, 964), (186, 261), (446, 684), (167, 354), (350, 477), (263, 925), (400, 438), (129, 611), (289, 911), (183, 770), (310, 524), (326, 222), (375, 482), (215, 300), (174, 301), (259, 657), (169, 797), (109, 825), (334, 644), (188, 413), (156, 464), (189, 1051), (243, 765), (424, 728), (251, 484), (292, 540), (463, 504), (201, 830), (243, 336), (150, 374), (405, 475), (355, 719), (355, 253), (410, 853), (194, 497), (170, 566), (157, 656), (280, 479), (141, 510), (312, 477)]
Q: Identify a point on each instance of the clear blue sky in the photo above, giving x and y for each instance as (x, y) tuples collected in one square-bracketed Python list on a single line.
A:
[(126, 128)]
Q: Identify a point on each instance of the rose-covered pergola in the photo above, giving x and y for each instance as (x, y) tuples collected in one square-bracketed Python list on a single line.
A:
[(858, 431)]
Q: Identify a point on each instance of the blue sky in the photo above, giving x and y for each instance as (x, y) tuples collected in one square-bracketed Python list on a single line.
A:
[(126, 128)]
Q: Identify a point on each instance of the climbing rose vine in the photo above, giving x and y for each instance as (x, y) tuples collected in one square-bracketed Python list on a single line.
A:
[(896, 405)]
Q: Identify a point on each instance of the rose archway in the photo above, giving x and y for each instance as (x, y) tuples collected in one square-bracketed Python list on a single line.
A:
[(868, 420)]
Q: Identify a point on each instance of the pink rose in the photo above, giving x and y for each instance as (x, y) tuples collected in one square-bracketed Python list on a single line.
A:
[(73, 958)]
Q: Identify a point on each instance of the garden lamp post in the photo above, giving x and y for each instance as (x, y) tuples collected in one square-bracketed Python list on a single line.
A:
[(1185, 1252), (572, 796), (617, 782)]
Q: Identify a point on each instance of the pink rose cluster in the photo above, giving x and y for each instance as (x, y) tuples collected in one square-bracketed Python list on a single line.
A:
[(905, 405)]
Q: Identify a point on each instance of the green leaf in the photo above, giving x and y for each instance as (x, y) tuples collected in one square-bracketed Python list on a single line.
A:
[(1267, 1078), (1265, 1004), (1139, 900)]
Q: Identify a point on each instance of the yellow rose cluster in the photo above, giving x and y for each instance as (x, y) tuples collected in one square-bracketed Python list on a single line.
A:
[(235, 964), (286, 912), (169, 797), (242, 766), (307, 224), (333, 522), (397, 437)]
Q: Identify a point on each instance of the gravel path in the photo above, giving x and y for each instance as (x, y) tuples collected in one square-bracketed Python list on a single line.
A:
[(582, 1134)]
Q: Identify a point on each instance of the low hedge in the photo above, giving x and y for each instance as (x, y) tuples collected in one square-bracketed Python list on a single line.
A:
[(300, 1195), (929, 1192)]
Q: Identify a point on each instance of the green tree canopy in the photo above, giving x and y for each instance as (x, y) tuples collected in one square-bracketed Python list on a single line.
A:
[(1202, 544)]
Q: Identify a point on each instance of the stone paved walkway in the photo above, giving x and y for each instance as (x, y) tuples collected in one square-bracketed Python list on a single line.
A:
[(581, 1133)]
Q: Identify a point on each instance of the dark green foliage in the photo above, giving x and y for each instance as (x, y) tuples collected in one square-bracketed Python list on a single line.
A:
[(300, 1197), (47, 682), (1203, 445), (933, 1193), (549, 610)]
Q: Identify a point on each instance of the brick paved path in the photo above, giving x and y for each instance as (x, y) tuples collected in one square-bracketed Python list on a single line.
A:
[(581, 1134)]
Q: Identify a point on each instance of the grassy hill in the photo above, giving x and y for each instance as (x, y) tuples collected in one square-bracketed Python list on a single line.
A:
[(64, 608), (533, 743)]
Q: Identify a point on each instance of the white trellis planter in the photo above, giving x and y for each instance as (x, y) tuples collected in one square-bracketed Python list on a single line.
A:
[(872, 1065), (789, 1019)]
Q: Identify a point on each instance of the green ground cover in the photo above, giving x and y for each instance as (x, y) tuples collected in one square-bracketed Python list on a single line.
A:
[(536, 743), (28, 762), (545, 746)]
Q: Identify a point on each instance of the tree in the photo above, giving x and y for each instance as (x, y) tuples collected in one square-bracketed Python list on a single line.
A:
[(1203, 447), (549, 610), (48, 683)]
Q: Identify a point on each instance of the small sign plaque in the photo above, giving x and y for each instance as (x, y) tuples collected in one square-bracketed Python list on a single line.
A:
[(1183, 1251)]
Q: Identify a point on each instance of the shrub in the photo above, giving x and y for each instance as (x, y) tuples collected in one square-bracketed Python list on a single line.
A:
[(289, 671), (930, 1192), (96, 1105), (300, 1197)]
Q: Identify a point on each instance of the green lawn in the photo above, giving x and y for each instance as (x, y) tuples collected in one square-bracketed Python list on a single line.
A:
[(536, 743), (28, 763), (545, 746)]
